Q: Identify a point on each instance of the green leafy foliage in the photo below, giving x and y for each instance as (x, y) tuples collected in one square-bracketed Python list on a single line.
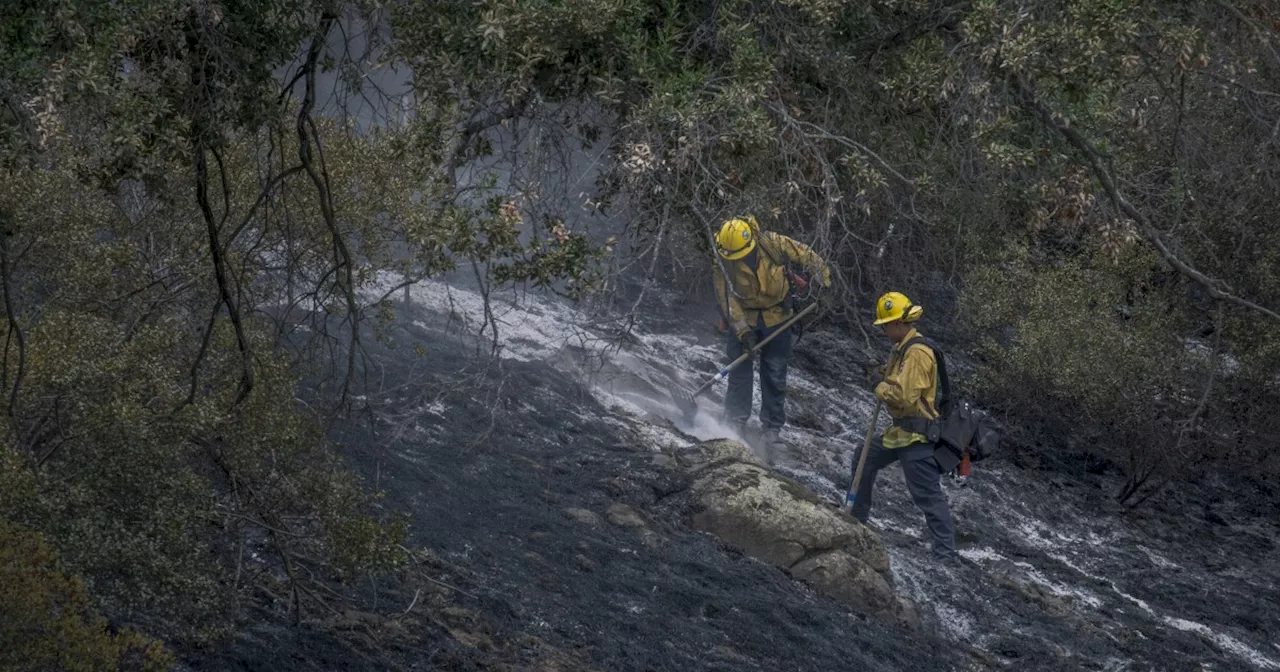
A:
[(915, 144), (47, 621), (184, 237)]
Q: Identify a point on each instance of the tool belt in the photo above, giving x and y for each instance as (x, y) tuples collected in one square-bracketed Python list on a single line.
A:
[(947, 455), (930, 429)]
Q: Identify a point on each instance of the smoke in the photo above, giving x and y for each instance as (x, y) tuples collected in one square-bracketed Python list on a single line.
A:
[(621, 391)]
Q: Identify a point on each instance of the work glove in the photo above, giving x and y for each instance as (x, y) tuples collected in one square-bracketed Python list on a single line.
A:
[(749, 339), (875, 375)]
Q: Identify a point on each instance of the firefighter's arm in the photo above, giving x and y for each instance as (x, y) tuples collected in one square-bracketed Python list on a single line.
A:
[(730, 307), (802, 254), (902, 389)]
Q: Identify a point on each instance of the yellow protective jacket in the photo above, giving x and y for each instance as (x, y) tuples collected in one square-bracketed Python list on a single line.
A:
[(762, 290), (909, 389)]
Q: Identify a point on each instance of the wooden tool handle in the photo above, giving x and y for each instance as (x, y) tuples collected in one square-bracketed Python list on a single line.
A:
[(862, 459), (750, 353)]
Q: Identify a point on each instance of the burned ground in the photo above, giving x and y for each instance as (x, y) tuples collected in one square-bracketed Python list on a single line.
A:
[(540, 488)]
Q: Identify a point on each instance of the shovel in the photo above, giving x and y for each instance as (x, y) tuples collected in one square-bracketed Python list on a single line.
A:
[(862, 460), (688, 402)]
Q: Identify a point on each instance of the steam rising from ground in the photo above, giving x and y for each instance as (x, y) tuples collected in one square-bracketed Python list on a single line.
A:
[(1101, 580)]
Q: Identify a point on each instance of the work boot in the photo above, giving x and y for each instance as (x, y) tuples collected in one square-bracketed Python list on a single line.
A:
[(772, 445)]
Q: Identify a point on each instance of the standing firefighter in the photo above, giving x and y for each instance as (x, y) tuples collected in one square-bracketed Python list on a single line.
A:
[(754, 278), (908, 387)]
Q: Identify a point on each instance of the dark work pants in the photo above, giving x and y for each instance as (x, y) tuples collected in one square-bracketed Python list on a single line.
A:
[(922, 474), (774, 358)]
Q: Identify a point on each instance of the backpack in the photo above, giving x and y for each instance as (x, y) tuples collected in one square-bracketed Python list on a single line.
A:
[(801, 289), (959, 427)]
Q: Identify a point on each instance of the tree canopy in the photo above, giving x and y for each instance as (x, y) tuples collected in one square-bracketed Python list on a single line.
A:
[(1081, 190)]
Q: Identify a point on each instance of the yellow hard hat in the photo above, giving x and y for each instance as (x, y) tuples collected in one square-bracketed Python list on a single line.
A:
[(736, 239), (896, 306)]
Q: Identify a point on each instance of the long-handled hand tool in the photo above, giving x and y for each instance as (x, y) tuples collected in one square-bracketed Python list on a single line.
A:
[(688, 402), (862, 460)]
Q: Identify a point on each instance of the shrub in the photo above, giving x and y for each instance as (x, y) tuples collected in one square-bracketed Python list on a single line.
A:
[(47, 621)]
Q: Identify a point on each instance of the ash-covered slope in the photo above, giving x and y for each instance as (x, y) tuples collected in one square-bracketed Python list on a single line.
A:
[(1061, 578), (548, 503), (538, 482)]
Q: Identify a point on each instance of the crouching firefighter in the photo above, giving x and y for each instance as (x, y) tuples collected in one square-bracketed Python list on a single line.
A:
[(908, 387), (755, 279)]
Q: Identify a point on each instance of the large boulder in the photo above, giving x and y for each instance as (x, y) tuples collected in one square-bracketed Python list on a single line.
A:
[(772, 518)]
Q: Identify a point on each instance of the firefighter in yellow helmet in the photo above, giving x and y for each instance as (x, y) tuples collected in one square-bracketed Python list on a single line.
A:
[(908, 386), (754, 275)]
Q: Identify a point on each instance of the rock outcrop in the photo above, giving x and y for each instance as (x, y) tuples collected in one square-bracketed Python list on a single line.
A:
[(767, 516)]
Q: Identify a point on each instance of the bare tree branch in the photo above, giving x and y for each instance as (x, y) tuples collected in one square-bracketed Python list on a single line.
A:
[(16, 330), (220, 273), (204, 349), (477, 124), (815, 131), (320, 178), (1216, 288), (262, 198)]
